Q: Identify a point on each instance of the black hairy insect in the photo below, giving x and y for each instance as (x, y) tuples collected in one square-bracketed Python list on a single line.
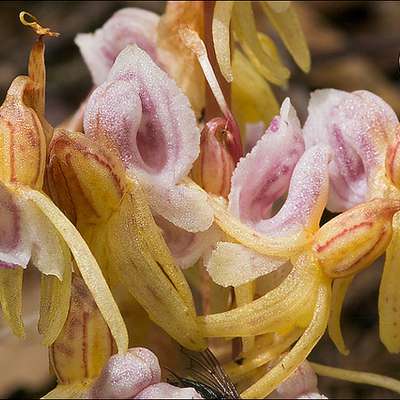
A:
[(206, 376)]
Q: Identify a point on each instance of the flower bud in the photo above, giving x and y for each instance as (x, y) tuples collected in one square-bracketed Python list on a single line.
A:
[(85, 342), (356, 238), (85, 179), (214, 167), (393, 160), (22, 140)]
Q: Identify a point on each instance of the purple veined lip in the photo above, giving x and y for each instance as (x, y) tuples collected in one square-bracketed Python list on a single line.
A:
[(263, 176), (358, 127), (126, 26)]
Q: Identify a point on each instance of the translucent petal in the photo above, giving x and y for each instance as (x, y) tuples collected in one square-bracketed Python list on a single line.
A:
[(126, 26), (339, 289), (232, 264), (187, 247), (14, 243), (288, 26)]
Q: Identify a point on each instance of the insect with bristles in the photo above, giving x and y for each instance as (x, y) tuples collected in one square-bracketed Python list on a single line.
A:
[(206, 376)]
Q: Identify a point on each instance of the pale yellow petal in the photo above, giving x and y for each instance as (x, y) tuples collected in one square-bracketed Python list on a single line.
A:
[(280, 310), (339, 290), (389, 293), (252, 97), (54, 302), (11, 298), (87, 266), (287, 24), (245, 31), (288, 364), (365, 378), (221, 36), (140, 270)]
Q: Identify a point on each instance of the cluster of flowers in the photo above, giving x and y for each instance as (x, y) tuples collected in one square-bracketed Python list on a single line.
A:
[(157, 205)]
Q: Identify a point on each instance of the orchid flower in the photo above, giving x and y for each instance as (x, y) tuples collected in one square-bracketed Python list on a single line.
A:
[(360, 128), (111, 211), (261, 244), (34, 231)]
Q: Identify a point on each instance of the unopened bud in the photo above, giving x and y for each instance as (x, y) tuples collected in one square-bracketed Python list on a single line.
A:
[(393, 160), (22, 140), (85, 179), (85, 342), (214, 167), (354, 239)]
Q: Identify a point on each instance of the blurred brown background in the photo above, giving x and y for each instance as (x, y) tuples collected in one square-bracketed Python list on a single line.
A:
[(354, 45)]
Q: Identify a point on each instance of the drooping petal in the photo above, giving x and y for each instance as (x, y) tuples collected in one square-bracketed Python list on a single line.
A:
[(245, 29), (389, 299), (126, 26), (232, 264), (339, 290), (146, 268), (287, 24), (87, 265), (125, 375), (264, 174), (300, 350), (11, 298), (180, 63), (187, 247), (252, 97), (155, 132), (280, 310), (54, 303), (221, 36)]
